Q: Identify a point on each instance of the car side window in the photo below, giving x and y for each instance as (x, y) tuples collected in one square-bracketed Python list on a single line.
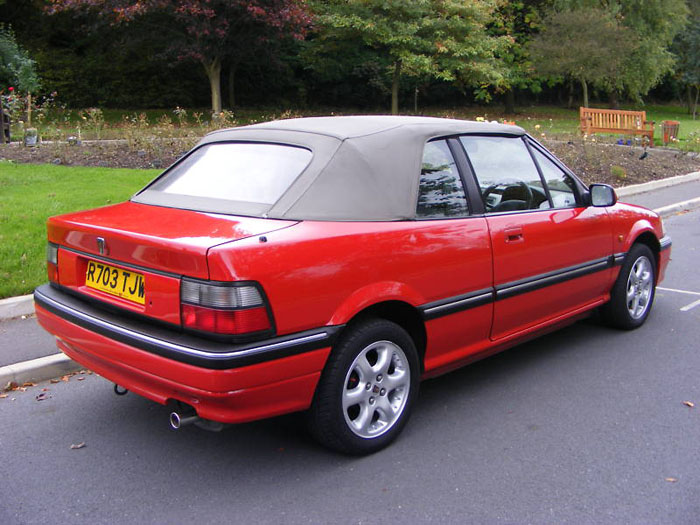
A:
[(440, 191), (507, 176), (561, 185)]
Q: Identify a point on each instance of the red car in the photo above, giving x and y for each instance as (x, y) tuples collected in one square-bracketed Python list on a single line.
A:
[(330, 264)]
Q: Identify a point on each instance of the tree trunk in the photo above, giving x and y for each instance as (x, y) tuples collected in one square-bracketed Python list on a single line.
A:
[(613, 100), (689, 98), (213, 71), (695, 106), (395, 88), (570, 99), (29, 110), (232, 86), (584, 86), (415, 101), (510, 102)]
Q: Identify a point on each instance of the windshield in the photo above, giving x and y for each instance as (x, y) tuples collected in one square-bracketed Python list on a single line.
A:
[(229, 177)]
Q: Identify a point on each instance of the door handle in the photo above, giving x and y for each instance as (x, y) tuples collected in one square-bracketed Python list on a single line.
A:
[(514, 234)]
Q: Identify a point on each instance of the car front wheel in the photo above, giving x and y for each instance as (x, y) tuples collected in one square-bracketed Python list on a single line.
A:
[(633, 293), (366, 391)]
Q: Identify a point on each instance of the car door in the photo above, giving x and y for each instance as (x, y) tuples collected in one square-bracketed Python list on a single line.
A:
[(457, 260), (551, 254)]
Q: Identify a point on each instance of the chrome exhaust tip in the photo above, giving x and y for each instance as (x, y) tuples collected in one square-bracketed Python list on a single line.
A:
[(177, 420)]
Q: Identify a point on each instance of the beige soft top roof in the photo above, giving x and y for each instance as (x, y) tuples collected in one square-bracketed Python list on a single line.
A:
[(364, 168), (362, 125)]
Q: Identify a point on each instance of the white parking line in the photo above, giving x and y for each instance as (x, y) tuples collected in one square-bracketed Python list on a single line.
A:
[(687, 306), (690, 306)]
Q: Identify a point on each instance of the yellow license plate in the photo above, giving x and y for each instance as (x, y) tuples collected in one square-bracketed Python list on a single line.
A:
[(126, 284)]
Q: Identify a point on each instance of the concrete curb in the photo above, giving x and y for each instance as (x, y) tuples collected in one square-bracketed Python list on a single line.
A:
[(671, 209), (636, 189), (37, 370), (16, 306)]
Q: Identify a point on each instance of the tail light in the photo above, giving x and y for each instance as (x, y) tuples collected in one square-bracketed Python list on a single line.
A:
[(52, 261), (237, 308)]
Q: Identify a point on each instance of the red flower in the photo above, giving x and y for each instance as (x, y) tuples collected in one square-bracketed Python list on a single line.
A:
[(10, 88)]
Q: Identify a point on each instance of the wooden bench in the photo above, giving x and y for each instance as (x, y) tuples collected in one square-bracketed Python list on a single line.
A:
[(616, 121)]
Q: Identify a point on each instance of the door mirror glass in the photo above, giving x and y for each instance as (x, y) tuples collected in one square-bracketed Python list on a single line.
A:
[(602, 195)]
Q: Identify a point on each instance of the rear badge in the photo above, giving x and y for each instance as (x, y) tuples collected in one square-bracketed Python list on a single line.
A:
[(102, 246)]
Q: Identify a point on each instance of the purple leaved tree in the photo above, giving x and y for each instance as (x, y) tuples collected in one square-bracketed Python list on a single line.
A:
[(210, 32)]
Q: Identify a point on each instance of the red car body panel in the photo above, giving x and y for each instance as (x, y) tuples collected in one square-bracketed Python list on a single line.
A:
[(373, 256), (306, 253), (470, 287)]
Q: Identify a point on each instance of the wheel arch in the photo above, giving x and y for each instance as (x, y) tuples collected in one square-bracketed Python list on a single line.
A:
[(649, 239), (401, 313)]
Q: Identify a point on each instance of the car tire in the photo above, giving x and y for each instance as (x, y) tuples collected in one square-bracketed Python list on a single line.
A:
[(632, 296), (367, 388)]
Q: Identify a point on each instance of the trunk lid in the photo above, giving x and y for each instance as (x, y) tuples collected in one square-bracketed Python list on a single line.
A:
[(111, 253), (165, 239)]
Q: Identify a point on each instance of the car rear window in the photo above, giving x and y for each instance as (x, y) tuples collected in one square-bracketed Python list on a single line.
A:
[(238, 172), (229, 177)]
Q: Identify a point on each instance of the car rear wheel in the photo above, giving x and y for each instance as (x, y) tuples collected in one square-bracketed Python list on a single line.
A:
[(367, 388), (632, 295)]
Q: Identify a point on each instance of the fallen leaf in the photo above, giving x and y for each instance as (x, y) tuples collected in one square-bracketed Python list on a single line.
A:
[(672, 480), (81, 379), (28, 384), (65, 378), (11, 385), (689, 404), (3, 396), (44, 389), (42, 397), (54, 381), (79, 445)]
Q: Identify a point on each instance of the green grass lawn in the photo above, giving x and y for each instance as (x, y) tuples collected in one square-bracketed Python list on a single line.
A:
[(31, 193)]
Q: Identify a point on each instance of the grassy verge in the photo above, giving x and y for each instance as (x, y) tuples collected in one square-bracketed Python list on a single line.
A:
[(31, 194)]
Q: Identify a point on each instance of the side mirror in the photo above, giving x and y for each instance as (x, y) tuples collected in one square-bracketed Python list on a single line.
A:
[(602, 195)]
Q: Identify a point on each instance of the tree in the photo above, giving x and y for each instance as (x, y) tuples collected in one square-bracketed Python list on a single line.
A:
[(206, 31), (687, 49), (586, 45), (520, 21), (16, 67), (654, 24), (441, 39)]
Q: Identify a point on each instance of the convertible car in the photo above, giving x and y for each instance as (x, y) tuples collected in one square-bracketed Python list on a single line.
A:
[(327, 265)]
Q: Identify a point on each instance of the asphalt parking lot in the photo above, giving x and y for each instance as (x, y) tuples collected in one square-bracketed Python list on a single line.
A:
[(587, 425)]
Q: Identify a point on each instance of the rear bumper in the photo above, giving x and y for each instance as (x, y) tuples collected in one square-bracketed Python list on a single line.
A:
[(223, 382)]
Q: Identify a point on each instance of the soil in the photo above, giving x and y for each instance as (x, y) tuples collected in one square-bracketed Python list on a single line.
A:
[(618, 165)]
